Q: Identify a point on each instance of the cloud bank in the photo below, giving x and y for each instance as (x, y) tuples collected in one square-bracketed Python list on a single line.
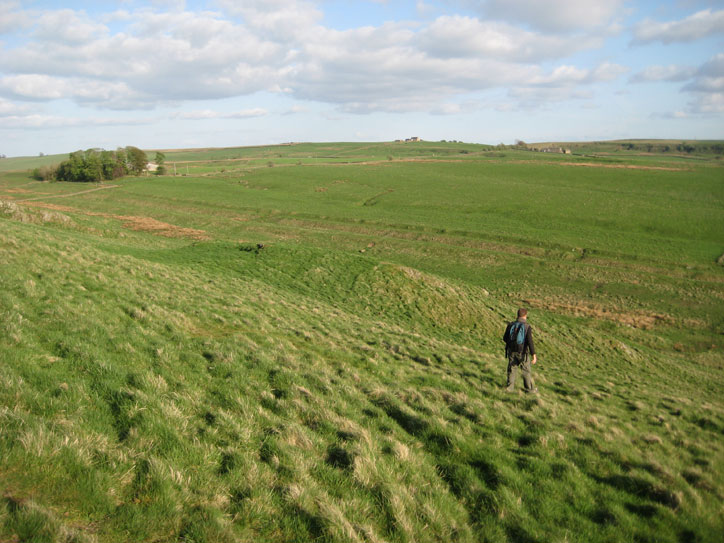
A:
[(231, 66), (145, 58), (694, 27)]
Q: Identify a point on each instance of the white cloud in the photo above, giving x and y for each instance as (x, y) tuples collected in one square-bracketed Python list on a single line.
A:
[(551, 15), (607, 71), (42, 122), (211, 114), (280, 20), (563, 84), (670, 73), (280, 46), (247, 113), (699, 25), (707, 87), (11, 109), (68, 27), (396, 68), (11, 19), (32, 87), (160, 58), (708, 104), (458, 36), (710, 77), (566, 76), (178, 5), (296, 109), (424, 9), (39, 87)]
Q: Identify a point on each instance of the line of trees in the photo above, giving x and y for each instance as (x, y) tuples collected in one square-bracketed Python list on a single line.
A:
[(683, 147), (96, 165)]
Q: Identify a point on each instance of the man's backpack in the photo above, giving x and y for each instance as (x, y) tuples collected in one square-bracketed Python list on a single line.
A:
[(515, 339)]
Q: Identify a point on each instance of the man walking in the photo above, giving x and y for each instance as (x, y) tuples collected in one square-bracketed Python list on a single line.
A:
[(518, 340)]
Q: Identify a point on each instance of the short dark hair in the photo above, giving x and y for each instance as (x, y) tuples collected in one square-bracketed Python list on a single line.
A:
[(522, 312)]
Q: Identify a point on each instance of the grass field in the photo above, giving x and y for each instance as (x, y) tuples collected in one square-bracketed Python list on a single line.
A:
[(302, 343)]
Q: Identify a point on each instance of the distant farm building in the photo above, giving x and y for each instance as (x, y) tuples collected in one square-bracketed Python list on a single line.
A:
[(557, 150), (413, 139)]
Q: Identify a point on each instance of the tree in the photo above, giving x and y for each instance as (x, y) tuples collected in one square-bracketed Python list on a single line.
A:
[(44, 173), (83, 166), (160, 160), (136, 160), (113, 164)]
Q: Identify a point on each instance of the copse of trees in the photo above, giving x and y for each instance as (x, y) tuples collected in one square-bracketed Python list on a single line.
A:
[(96, 165)]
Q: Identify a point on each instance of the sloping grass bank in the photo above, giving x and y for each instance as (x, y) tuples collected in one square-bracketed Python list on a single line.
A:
[(164, 390)]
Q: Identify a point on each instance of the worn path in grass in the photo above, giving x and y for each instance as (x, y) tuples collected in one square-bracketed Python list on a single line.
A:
[(70, 195)]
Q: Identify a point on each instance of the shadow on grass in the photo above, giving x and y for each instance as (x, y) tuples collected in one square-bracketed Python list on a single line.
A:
[(312, 524), (412, 424), (339, 457), (643, 511), (516, 534), (120, 403), (642, 489), (487, 472), (603, 517)]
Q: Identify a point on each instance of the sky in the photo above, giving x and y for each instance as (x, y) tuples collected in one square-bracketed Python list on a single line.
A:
[(169, 74)]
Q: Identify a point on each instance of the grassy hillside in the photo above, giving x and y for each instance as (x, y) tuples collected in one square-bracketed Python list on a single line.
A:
[(165, 378), (26, 163)]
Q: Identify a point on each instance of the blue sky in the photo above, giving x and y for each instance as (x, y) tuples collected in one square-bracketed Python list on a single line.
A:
[(175, 74)]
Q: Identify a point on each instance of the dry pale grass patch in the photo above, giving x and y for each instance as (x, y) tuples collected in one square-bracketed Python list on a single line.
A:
[(296, 437), (637, 319), (335, 521), (131, 222), (651, 439), (40, 442)]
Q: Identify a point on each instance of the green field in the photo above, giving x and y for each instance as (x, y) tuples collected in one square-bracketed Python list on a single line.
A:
[(302, 343)]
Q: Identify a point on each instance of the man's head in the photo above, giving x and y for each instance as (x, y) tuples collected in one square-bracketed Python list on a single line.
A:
[(522, 313)]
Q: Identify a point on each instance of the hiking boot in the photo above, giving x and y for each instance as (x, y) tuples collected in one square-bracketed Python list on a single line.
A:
[(532, 391)]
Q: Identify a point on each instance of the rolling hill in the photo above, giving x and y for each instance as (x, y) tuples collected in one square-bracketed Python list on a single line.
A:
[(302, 343)]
